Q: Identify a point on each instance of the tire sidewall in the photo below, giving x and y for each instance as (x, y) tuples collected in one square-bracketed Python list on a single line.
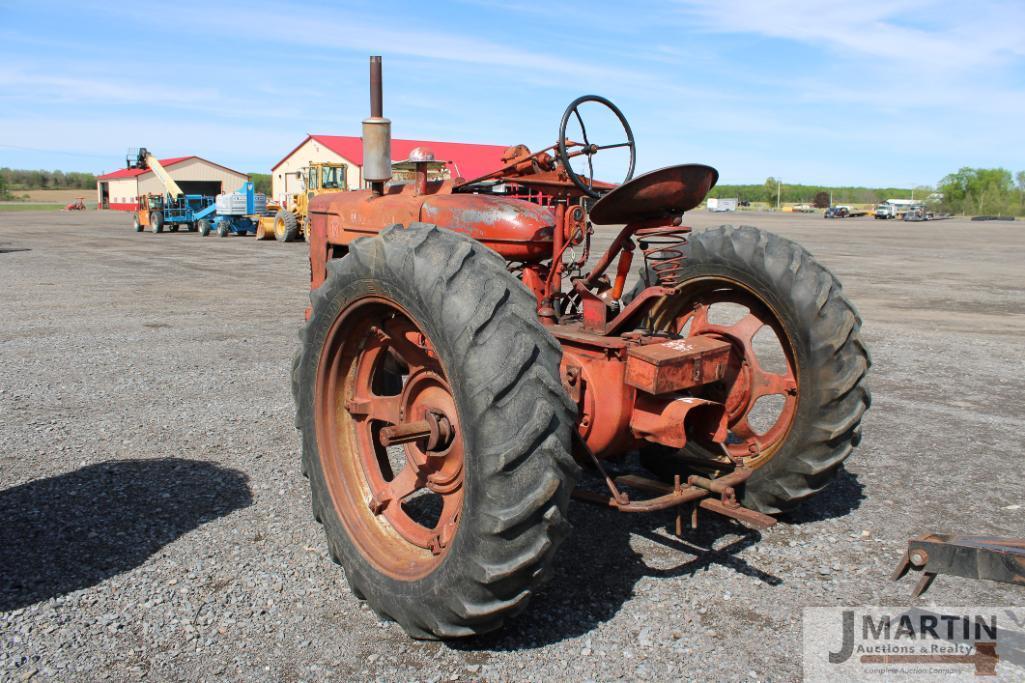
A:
[(353, 559), (823, 330)]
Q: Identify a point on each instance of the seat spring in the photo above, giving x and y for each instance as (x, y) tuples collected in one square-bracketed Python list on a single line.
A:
[(665, 251)]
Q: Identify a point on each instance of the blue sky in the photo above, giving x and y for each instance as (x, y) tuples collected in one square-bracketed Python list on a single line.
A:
[(878, 92)]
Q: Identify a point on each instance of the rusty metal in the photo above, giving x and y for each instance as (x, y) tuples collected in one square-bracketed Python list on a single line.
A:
[(746, 380), (665, 250), (376, 135), (434, 430), (663, 194), (629, 386), (677, 364), (749, 518), (367, 493), (666, 420), (671, 496), (970, 557)]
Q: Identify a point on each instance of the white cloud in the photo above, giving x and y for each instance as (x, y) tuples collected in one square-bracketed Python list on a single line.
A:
[(920, 35)]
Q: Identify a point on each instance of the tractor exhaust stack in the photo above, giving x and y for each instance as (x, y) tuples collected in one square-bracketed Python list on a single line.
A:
[(376, 135)]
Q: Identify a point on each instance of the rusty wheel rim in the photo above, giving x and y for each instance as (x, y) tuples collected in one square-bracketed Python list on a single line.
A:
[(388, 434), (747, 378)]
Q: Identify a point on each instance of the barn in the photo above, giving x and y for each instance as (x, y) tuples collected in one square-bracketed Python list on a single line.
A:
[(121, 189), (465, 160)]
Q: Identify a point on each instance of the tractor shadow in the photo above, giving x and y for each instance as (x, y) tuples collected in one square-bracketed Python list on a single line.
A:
[(842, 497), (74, 530), (596, 570)]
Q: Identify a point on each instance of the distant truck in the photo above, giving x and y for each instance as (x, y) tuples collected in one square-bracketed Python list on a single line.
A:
[(885, 211), (717, 205), (895, 208)]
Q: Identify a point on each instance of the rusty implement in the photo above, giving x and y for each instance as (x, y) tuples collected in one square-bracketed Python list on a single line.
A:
[(970, 557), (697, 491)]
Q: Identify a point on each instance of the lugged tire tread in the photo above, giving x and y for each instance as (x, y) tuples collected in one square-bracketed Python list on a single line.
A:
[(527, 473), (831, 325)]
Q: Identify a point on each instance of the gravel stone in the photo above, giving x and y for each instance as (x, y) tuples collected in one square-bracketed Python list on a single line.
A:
[(157, 527)]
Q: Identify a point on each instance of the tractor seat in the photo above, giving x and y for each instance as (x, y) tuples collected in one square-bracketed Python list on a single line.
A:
[(663, 193)]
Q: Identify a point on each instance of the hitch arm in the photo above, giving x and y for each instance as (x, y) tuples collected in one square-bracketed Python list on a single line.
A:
[(970, 557)]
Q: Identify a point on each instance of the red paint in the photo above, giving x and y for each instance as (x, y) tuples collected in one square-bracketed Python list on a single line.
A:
[(465, 160), (171, 161), (136, 172)]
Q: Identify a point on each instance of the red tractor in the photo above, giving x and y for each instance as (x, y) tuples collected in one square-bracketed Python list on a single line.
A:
[(464, 357)]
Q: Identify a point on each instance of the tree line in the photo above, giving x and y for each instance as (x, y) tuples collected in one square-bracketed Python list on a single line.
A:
[(261, 182), (20, 179), (984, 191), (790, 193), (969, 191)]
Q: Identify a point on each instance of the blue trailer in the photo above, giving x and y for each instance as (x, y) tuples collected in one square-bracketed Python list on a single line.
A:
[(232, 213), (158, 212)]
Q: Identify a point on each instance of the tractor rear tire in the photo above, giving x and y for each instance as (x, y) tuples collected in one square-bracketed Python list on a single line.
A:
[(204, 227), (286, 227), (156, 221), (502, 368), (824, 332)]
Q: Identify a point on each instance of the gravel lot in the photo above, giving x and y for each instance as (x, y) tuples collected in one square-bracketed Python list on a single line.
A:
[(156, 525)]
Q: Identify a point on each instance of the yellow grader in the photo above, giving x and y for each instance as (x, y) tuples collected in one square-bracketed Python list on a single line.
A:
[(291, 221)]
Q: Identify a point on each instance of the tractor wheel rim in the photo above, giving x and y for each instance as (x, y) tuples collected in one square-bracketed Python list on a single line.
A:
[(400, 504), (750, 381), (279, 228)]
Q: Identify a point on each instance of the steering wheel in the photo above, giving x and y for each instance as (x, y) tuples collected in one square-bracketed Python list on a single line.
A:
[(589, 149)]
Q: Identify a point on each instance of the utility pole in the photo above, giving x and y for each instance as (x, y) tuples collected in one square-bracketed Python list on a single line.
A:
[(778, 184)]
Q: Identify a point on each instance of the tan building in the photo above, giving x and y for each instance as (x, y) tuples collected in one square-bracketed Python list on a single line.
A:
[(122, 189), (464, 160)]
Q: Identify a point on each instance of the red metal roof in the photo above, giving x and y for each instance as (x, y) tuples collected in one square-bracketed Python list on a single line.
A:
[(466, 160), (170, 161), (134, 172)]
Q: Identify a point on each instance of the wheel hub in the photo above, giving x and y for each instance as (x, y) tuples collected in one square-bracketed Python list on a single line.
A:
[(747, 381), (392, 430)]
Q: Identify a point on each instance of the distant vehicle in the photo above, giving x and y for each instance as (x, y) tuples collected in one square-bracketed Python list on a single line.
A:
[(804, 208), (918, 213), (719, 205), (885, 211), (837, 212), (896, 208)]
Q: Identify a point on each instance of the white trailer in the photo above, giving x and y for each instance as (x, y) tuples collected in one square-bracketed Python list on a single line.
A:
[(717, 205)]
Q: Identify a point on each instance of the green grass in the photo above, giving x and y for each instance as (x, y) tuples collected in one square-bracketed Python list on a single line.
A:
[(31, 207)]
